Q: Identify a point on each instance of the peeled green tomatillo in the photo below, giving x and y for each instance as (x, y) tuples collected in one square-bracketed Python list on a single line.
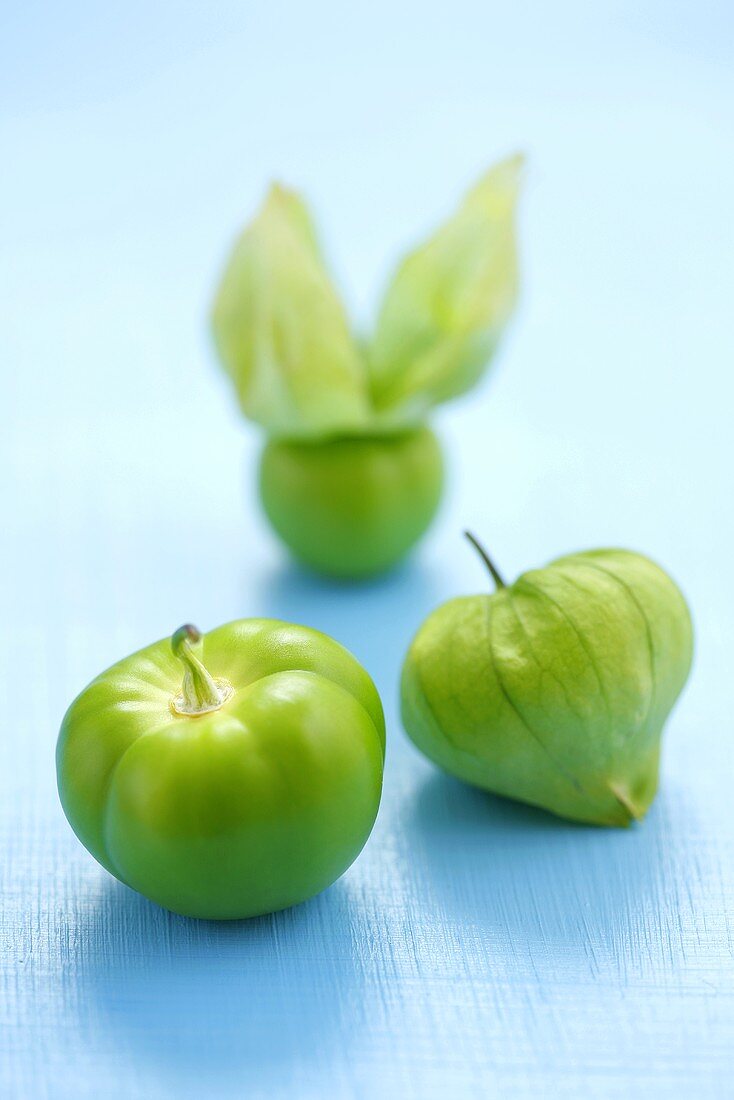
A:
[(227, 775), (554, 690), (353, 505), (351, 477)]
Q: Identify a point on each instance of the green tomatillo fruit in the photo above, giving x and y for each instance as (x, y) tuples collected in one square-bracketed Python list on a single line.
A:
[(227, 775), (352, 505), (347, 448), (554, 690)]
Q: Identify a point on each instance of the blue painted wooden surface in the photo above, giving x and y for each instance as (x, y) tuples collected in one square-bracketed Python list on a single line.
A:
[(477, 948)]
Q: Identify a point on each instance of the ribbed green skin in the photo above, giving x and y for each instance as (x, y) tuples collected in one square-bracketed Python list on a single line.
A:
[(242, 811), (555, 690)]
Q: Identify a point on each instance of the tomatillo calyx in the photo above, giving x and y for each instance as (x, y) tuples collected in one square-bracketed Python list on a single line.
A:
[(226, 775), (555, 689)]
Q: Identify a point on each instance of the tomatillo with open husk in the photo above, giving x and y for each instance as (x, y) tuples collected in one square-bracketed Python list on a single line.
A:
[(351, 476)]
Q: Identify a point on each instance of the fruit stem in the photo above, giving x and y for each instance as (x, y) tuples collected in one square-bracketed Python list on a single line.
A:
[(200, 692), (496, 575)]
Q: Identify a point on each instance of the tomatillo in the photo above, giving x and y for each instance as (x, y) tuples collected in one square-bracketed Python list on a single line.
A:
[(554, 689), (353, 505), (351, 476), (226, 775)]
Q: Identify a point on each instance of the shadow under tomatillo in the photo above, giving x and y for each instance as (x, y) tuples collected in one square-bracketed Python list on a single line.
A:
[(238, 1006)]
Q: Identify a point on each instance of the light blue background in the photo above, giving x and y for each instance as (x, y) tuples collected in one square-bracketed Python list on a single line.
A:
[(476, 948)]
